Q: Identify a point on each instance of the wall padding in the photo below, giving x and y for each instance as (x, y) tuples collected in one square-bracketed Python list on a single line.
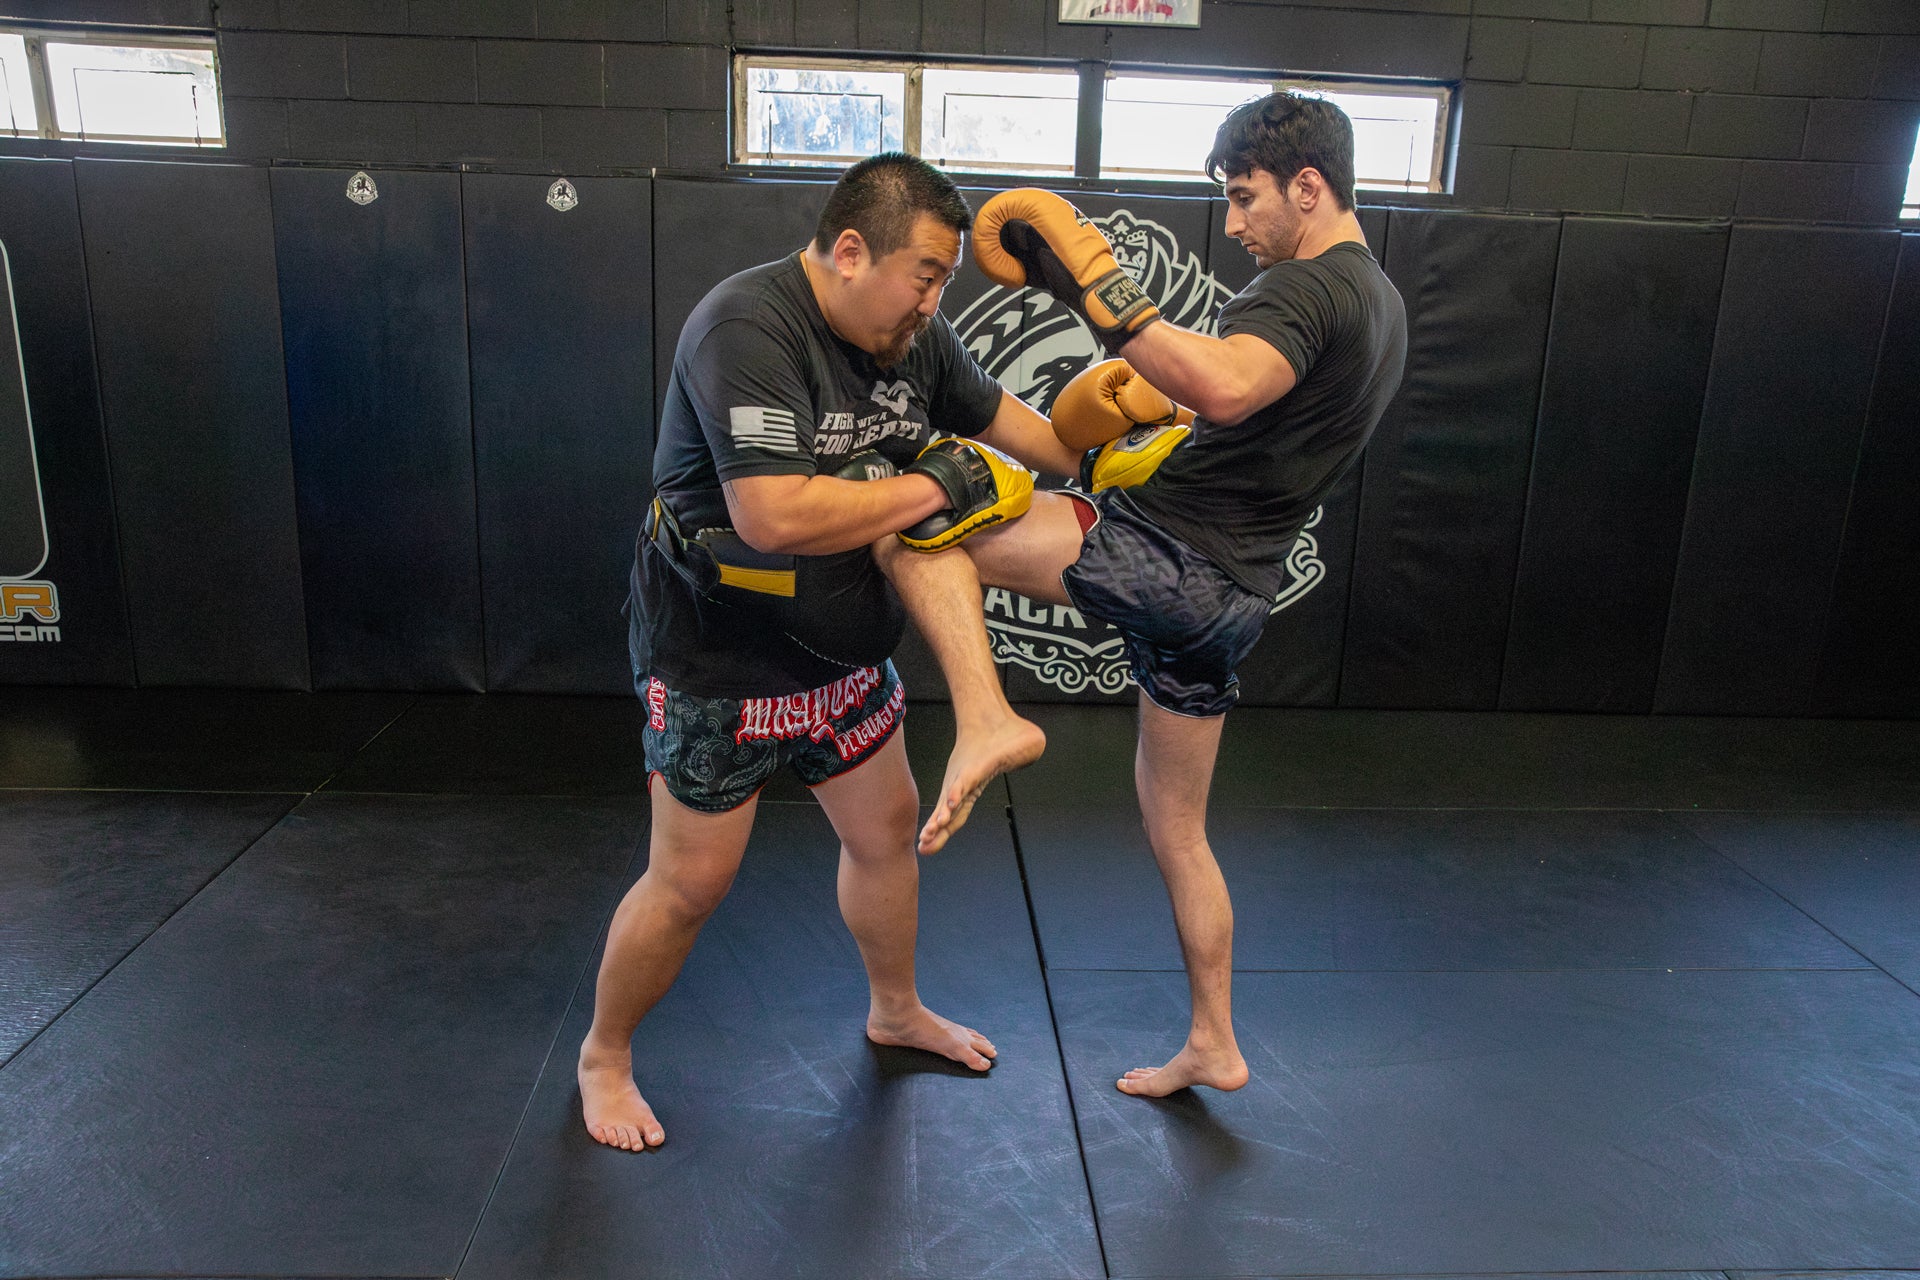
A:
[(559, 308), (1443, 485), (374, 307), (1635, 305), (180, 260), (1792, 373)]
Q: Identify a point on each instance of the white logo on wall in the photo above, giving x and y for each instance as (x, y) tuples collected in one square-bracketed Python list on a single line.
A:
[(1035, 346), (29, 604)]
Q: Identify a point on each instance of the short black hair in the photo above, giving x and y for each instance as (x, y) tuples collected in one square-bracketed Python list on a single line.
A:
[(883, 196), (1284, 133)]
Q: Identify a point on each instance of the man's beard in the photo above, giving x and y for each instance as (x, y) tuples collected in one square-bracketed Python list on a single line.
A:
[(902, 342)]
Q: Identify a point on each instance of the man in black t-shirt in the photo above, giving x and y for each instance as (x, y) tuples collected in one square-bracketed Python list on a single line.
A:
[(1185, 558), (802, 397)]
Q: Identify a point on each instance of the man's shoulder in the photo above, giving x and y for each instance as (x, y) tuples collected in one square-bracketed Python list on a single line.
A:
[(765, 293)]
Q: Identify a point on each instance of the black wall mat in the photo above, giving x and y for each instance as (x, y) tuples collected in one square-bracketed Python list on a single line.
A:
[(1787, 398), (1443, 484), (1634, 310), (40, 237), (1873, 625), (376, 341), (559, 308), (186, 322)]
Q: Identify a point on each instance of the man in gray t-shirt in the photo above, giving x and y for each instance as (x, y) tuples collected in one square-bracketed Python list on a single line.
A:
[(1184, 558)]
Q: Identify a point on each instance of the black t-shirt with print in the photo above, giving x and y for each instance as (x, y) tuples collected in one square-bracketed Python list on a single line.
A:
[(761, 386), (1240, 494)]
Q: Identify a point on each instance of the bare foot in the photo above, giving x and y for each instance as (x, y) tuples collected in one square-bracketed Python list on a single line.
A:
[(1226, 1071), (979, 756), (616, 1114), (925, 1029)]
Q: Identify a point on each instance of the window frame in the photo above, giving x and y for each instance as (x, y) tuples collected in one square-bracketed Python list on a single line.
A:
[(37, 36), (1087, 169)]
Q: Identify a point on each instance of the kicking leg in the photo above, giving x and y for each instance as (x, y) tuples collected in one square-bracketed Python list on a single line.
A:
[(691, 861), (943, 595), (873, 809), (1173, 771)]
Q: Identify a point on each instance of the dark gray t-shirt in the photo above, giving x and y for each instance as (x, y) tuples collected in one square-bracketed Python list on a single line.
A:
[(762, 386), (1240, 494)]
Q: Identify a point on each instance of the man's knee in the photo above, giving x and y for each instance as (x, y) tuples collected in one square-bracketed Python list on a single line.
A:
[(693, 895)]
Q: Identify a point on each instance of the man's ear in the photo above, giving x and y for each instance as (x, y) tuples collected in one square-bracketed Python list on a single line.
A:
[(1313, 186), (849, 251)]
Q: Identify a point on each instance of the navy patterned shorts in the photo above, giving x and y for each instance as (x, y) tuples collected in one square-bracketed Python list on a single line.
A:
[(1185, 623), (716, 753)]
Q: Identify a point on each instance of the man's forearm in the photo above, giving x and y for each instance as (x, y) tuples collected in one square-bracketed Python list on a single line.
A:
[(822, 515)]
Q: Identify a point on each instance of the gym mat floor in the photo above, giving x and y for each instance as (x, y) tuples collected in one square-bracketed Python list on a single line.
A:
[(291, 985)]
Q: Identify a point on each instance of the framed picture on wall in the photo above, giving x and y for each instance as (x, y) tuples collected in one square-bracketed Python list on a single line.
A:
[(1158, 13)]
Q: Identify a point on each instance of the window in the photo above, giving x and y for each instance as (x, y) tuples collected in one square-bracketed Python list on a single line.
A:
[(999, 121), (1027, 119), (1910, 207), (826, 112), (1397, 133), (819, 113), (16, 83), (112, 86), (1162, 126)]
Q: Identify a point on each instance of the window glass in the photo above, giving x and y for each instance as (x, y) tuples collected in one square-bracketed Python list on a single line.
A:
[(1163, 126), (1395, 136), (16, 87), (1911, 206), (123, 92), (822, 115), (1004, 121)]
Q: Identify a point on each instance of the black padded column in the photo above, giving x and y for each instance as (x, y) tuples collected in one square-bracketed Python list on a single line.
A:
[(75, 551), (559, 304), (1633, 320), (186, 317), (1443, 485), (1801, 316), (1873, 626), (376, 341)]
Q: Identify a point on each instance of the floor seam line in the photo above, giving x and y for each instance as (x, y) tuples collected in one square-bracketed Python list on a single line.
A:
[(1059, 1045), (1805, 914), (560, 1026), (185, 902)]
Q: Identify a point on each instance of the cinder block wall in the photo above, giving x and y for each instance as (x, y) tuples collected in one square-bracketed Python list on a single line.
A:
[(1800, 110)]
